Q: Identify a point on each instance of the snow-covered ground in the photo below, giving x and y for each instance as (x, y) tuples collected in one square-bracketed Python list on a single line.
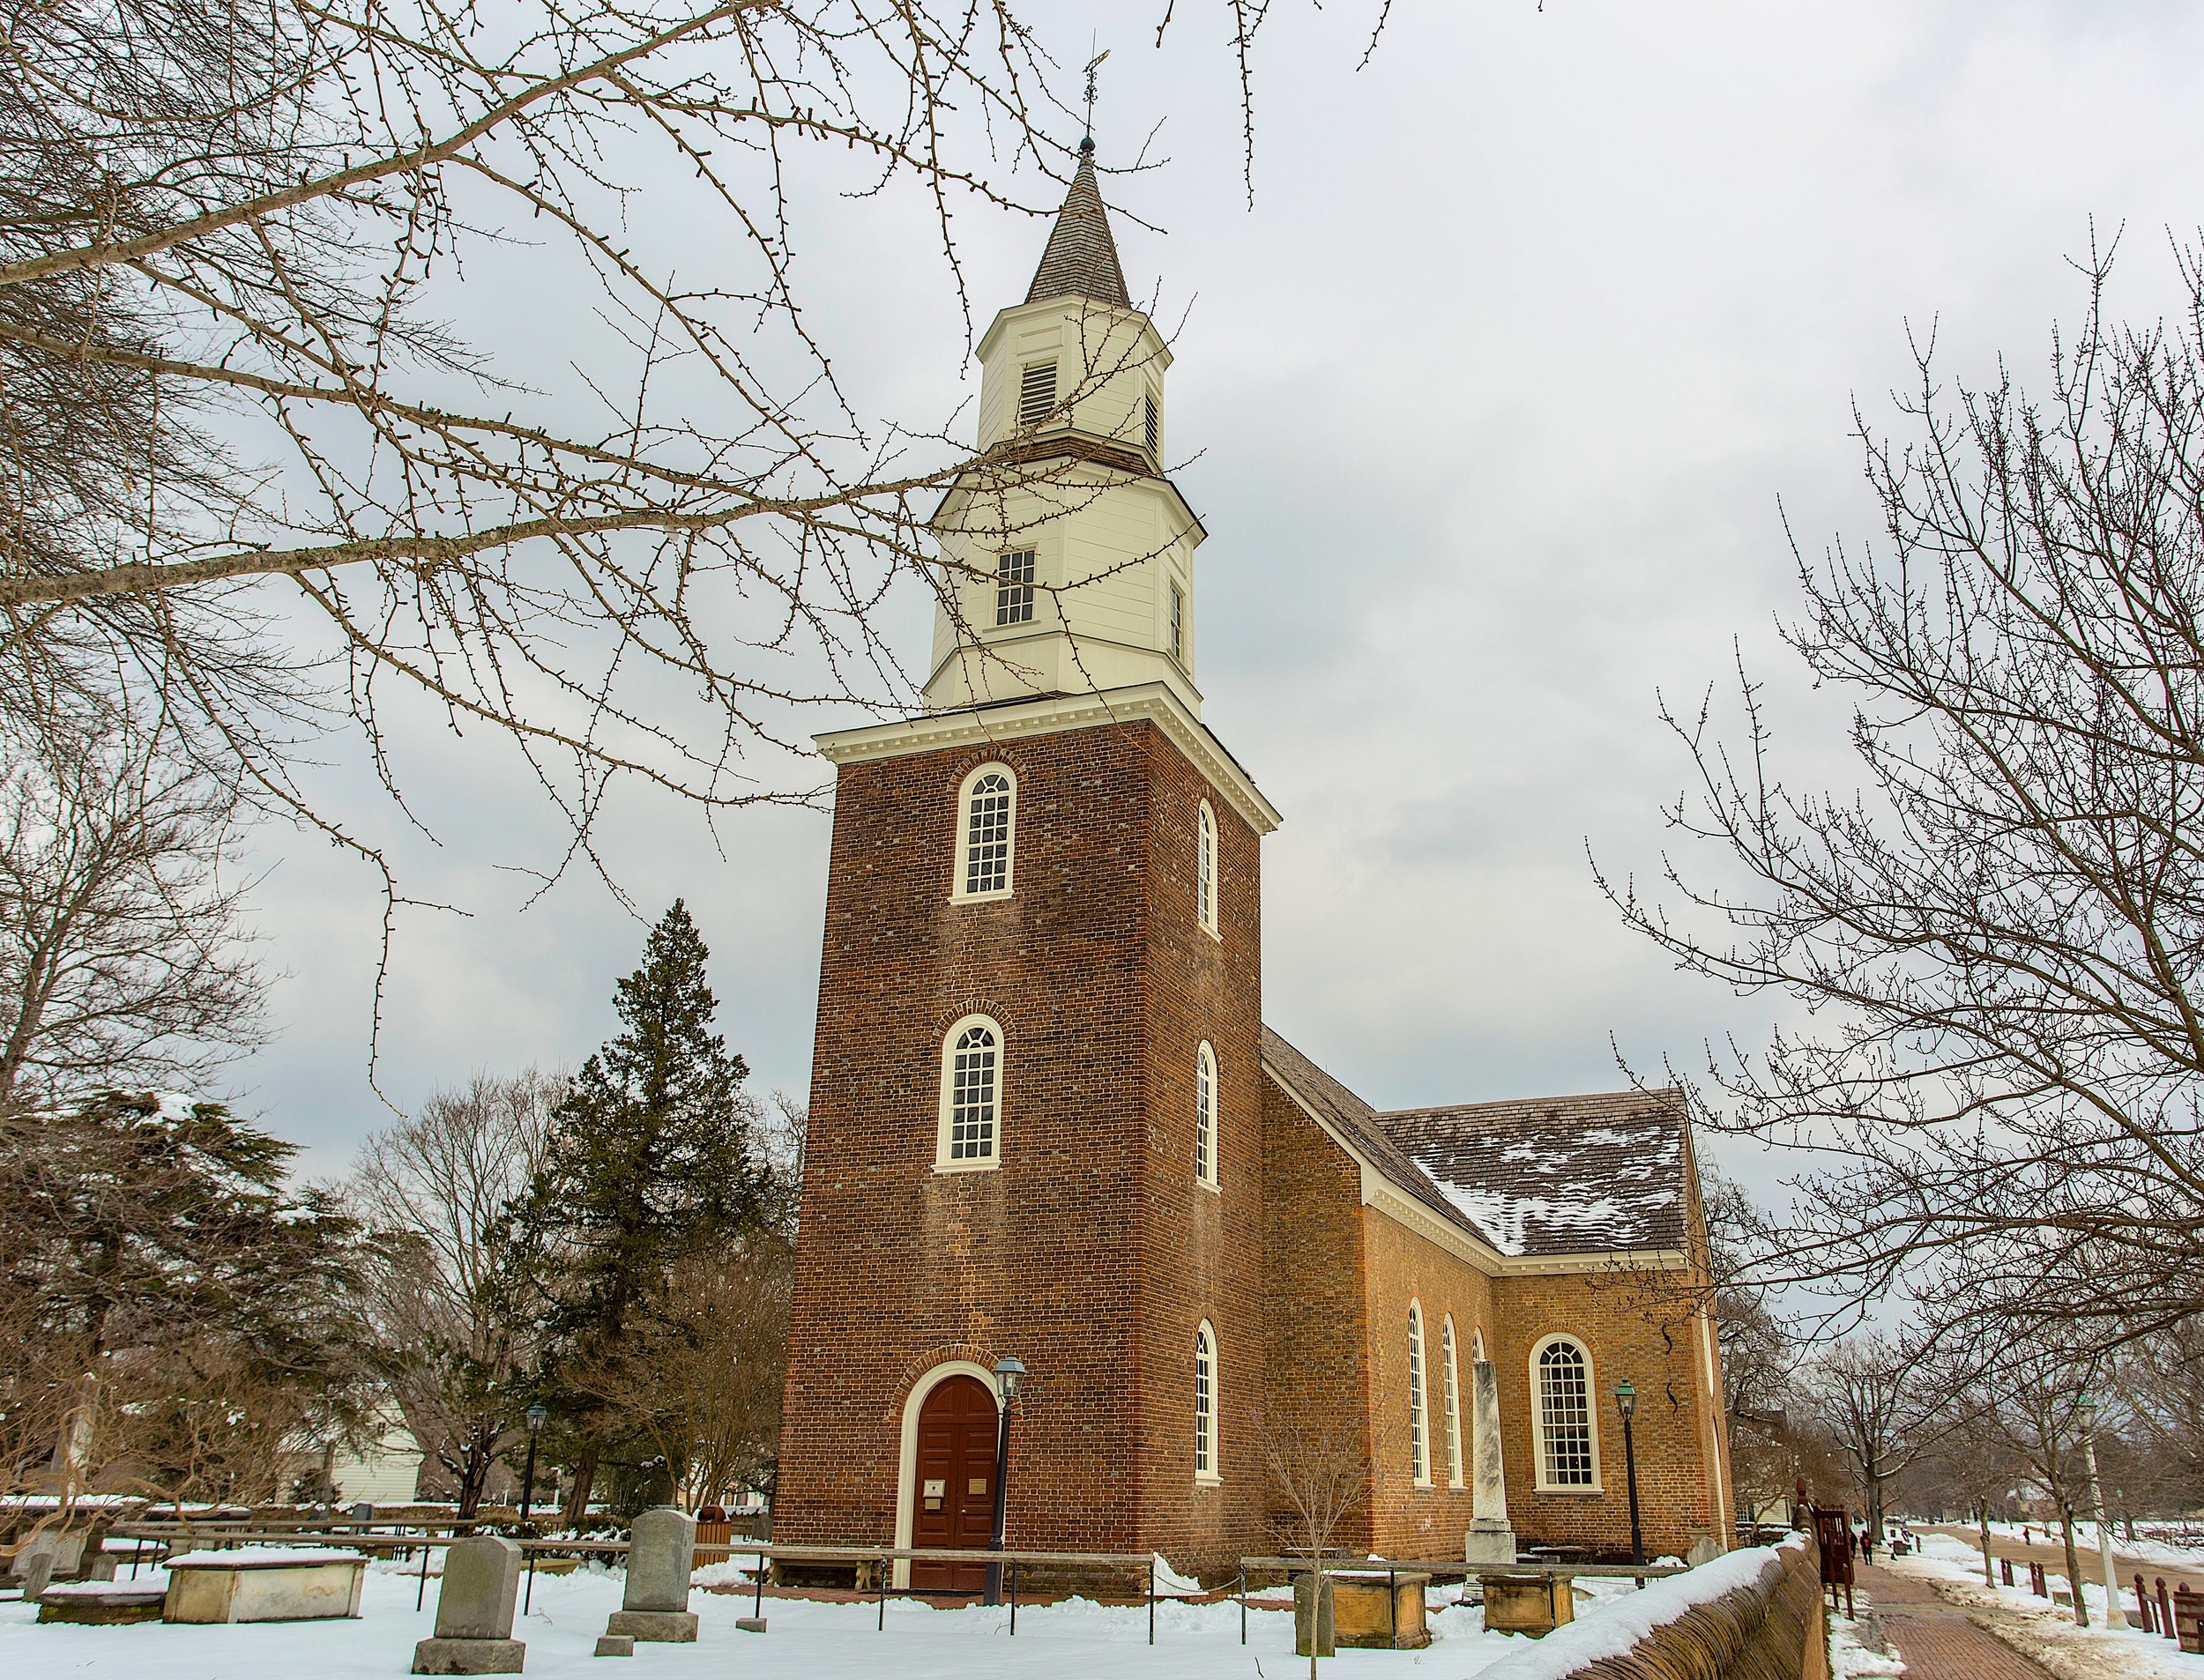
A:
[(2150, 1551), (807, 1640), (2126, 1650)]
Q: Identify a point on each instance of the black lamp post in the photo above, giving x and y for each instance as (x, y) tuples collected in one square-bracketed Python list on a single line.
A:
[(1009, 1377), (1626, 1403), (535, 1415)]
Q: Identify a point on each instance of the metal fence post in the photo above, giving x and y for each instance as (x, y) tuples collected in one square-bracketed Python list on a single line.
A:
[(758, 1609), (421, 1592), (529, 1597), (1151, 1601), (1243, 1603), (1014, 1598), (880, 1571)]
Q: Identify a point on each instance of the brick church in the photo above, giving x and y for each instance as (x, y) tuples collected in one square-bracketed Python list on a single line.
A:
[(1047, 1120)]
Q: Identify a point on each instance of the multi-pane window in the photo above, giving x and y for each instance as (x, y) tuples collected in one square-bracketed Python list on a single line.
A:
[(1154, 425), (1037, 393), (1450, 1381), (987, 834), (1205, 1403), (1205, 869), (1419, 1436), (1205, 1116), (972, 1095), (1565, 1415), (1014, 587), (1177, 624)]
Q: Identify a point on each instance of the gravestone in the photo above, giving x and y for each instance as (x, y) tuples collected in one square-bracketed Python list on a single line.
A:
[(474, 1612), (661, 1553), (1490, 1539), (615, 1645), (37, 1570)]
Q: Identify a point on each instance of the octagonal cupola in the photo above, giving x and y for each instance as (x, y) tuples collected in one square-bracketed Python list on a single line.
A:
[(1068, 556)]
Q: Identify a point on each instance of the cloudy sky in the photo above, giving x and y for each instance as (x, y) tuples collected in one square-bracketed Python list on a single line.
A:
[(1496, 399)]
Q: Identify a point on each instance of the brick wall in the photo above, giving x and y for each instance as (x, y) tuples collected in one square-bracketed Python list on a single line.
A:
[(1090, 1252), (1318, 1350), (1411, 1520), (1634, 1324)]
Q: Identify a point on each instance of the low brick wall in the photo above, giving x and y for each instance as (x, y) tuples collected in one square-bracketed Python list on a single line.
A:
[(1772, 1629)]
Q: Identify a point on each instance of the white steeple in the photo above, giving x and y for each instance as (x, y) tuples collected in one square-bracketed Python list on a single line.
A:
[(1068, 557)]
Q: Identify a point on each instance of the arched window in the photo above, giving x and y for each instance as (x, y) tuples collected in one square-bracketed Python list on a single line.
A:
[(986, 820), (1418, 1433), (972, 1095), (1451, 1379), (1205, 1403), (1205, 870), (1569, 1455), (1205, 1116)]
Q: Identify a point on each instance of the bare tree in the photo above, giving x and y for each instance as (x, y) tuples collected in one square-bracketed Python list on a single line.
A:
[(1998, 937), (704, 1385), (1868, 1391), (1320, 1475), (125, 957), (455, 1310), (1971, 1465), (243, 452)]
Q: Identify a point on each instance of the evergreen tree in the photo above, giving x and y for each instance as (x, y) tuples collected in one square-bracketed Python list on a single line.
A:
[(182, 1318), (654, 1156)]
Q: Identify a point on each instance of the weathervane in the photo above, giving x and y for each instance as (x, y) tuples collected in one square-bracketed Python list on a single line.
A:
[(1087, 143)]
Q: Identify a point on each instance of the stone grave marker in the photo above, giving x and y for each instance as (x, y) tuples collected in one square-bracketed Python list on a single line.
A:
[(474, 1612), (661, 1553)]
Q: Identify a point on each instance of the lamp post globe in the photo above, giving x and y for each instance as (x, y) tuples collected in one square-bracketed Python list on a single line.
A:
[(1627, 1404), (1009, 1378), (535, 1415)]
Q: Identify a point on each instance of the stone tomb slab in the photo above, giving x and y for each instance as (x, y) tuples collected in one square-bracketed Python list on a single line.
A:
[(1375, 1614), (102, 1603), (264, 1584), (1532, 1604)]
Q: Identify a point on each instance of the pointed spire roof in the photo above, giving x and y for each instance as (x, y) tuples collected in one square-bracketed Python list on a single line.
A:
[(1081, 260)]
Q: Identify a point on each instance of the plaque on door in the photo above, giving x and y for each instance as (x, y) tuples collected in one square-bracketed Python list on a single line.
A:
[(934, 1489), (978, 1484)]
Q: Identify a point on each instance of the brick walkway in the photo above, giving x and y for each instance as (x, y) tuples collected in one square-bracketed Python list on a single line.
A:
[(1935, 1637)]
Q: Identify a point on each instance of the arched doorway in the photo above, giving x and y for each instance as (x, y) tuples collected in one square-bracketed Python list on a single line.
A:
[(952, 1490)]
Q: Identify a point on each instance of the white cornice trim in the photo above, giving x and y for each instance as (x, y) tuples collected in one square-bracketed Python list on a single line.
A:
[(1148, 702), (1381, 1193)]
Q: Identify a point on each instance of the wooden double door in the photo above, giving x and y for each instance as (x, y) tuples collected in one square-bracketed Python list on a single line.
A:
[(953, 1490)]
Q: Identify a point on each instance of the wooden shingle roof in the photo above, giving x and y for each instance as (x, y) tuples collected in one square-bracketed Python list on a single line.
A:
[(1081, 260), (1563, 1175)]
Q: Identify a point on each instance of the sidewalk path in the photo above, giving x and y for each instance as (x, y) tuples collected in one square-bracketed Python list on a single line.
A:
[(1936, 1639)]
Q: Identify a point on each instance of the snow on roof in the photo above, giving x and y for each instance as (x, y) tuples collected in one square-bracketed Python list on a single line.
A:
[(1565, 1175)]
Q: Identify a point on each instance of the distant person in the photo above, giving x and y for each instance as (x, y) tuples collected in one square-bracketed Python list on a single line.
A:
[(1867, 1545)]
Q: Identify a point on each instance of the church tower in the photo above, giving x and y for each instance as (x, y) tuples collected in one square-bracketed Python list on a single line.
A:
[(1036, 1108)]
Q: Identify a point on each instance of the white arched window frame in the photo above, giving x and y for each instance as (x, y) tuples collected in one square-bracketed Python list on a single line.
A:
[(986, 834), (970, 1138), (1205, 872), (1419, 1414), (1564, 1416), (1450, 1393), (1205, 1401), (1205, 1109)]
